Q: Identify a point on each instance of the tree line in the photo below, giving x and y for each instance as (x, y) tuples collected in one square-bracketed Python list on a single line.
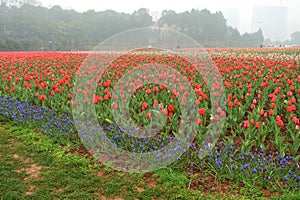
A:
[(31, 27)]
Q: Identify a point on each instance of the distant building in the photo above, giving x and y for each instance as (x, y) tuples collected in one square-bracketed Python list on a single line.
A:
[(272, 20)]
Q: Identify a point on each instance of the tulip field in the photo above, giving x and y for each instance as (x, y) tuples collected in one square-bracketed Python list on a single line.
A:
[(260, 139)]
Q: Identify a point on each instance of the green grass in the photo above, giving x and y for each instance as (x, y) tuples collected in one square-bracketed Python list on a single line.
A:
[(33, 166)]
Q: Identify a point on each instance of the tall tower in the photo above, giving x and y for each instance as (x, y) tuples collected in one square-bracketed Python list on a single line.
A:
[(272, 20), (283, 3)]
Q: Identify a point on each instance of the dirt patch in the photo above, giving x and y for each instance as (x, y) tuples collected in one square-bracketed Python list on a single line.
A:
[(208, 184), (30, 190), (59, 190), (139, 190), (33, 172), (101, 197), (150, 180), (119, 198), (100, 173), (22, 159), (11, 143), (82, 152)]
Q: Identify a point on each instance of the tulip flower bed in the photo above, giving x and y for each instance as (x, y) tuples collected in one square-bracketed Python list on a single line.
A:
[(260, 139)]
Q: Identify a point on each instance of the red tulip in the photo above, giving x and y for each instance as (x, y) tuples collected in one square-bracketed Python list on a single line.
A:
[(171, 108), (148, 115), (115, 105), (280, 123), (201, 111), (42, 98), (257, 125), (199, 121), (246, 124), (144, 106)]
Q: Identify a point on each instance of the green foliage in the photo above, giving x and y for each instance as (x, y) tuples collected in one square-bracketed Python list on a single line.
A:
[(210, 29), (295, 38), (31, 27), (170, 178)]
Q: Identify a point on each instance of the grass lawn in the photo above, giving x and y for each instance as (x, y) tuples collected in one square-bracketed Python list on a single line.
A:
[(33, 166)]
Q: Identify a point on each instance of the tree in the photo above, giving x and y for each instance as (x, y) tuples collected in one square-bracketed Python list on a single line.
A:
[(252, 40), (257, 38), (142, 18), (35, 44), (2, 46), (232, 37), (203, 26), (295, 38), (13, 45), (169, 17), (25, 43), (32, 27)]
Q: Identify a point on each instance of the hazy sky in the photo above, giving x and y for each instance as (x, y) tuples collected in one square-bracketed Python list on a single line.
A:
[(245, 7)]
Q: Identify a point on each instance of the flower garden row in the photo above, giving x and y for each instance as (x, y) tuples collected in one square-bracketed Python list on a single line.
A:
[(261, 133)]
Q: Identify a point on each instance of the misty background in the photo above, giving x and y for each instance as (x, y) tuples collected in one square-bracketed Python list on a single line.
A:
[(29, 25)]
